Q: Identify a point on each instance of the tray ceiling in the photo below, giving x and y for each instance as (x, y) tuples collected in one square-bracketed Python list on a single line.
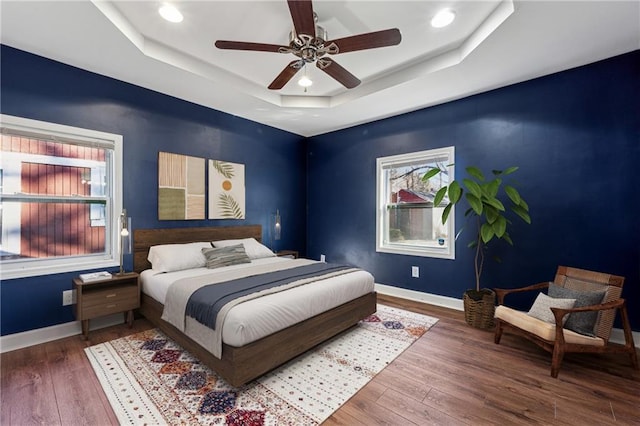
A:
[(490, 44)]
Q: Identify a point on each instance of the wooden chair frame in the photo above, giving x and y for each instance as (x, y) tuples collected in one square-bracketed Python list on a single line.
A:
[(558, 347)]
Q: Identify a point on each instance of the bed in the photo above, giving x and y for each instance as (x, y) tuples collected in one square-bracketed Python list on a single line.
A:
[(239, 361)]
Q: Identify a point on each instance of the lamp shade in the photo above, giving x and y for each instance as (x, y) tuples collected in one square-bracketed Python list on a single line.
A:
[(275, 229), (125, 238), (277, 226)]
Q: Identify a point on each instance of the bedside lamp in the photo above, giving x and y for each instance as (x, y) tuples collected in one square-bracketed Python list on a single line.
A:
[(277, 226), (275, 229), (125, 240)]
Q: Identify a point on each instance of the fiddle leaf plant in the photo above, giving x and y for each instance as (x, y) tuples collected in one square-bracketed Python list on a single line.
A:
[(483, 197)]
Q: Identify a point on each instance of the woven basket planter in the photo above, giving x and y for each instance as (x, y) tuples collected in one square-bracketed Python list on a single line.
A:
[(479, 313)]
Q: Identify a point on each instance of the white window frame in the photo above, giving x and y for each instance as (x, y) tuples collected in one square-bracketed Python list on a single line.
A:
[(20, 268), (384, 246)]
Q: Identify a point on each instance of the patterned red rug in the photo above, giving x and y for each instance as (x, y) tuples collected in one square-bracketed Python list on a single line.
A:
[(149, 379)]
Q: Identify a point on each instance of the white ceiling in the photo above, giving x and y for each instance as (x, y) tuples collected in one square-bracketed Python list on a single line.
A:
[(491, 44)]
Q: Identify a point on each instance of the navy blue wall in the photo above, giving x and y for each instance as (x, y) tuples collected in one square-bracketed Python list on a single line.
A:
[(575, 136), (275, 163)]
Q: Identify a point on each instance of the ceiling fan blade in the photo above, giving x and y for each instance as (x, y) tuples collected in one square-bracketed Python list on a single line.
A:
[(367, 41), (302, 16), (338, 73), (286, 75), (241, 45)]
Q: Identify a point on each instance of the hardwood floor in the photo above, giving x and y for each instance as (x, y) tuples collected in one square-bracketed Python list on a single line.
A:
[(453, 375)]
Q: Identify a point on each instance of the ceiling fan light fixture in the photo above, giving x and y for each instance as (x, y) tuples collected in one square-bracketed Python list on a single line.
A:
[(305, 81), (443, 18), (170, 13)]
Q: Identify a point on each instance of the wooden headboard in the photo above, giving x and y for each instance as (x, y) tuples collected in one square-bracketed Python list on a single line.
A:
[(145, 238)]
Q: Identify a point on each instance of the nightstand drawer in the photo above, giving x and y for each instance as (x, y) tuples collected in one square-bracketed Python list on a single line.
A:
[(110, 295), (108, 308)]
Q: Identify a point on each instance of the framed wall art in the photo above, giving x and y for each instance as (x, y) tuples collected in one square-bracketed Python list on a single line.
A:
[(226, 190), (181, 193)]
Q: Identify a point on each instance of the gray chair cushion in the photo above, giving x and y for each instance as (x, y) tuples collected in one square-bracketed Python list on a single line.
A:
[(580, 322)]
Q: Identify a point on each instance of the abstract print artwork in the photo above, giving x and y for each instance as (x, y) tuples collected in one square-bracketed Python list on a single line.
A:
[(181, 191), (226, 190)]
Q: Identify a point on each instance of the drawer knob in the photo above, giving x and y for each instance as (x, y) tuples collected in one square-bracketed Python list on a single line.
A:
[(111, 295), (111, 306)]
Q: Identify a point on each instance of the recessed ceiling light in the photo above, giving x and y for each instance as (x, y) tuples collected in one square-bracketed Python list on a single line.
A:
[(170, 13), (443, 18)]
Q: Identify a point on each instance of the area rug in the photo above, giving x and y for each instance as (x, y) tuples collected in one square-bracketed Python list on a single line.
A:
[(150, 380)]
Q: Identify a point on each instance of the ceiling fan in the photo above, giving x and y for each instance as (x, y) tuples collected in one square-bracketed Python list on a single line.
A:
[(309, 43)]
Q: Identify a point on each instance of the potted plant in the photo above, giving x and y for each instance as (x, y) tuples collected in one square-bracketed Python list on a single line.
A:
[(491, 219)]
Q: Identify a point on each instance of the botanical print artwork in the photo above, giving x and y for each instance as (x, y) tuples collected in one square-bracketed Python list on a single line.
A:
[(226, 190), (180, 187)]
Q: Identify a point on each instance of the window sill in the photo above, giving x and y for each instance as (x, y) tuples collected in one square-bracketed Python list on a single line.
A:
[(422, 252), (23, 271)]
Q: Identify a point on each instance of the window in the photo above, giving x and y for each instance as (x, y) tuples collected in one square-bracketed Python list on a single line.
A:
[(61, 198), (407, 222)]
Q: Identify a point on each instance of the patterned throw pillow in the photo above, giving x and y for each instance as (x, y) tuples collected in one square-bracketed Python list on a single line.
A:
[(225, 256), (541, 308), (252, 247), (580, 322)]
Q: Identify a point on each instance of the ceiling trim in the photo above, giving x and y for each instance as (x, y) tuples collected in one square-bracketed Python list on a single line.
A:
[(387, 79)]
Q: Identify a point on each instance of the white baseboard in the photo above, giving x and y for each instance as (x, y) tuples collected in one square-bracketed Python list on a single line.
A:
[(418, 296), (617, 334), (15, 341), (11, 342)]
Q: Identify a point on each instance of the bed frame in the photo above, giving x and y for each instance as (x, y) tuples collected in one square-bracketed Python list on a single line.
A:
[(240, 365)]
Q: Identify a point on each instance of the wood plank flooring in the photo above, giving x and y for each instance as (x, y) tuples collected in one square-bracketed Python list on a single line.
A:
[(453, 375)]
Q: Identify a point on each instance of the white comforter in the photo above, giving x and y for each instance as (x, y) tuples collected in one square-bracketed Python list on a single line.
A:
[(257, 318)]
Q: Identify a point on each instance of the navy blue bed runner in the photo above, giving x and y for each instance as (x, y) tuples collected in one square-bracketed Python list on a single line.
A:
[(205, 303)]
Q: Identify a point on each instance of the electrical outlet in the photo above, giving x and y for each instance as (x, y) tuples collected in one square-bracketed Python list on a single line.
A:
[(322, 258), (415, 272), (68, 297)]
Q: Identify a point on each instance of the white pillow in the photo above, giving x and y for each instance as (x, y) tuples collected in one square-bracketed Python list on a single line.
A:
[(541, 308), (176, 257), (254, 249)]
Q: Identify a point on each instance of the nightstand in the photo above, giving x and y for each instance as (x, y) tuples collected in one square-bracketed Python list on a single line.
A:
[(120, 293), (288, 253)]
